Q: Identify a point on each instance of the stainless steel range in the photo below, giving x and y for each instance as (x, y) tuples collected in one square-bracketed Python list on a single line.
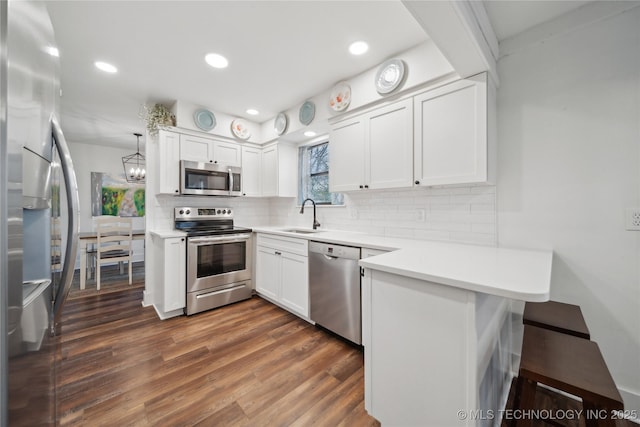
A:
[(219, 258)]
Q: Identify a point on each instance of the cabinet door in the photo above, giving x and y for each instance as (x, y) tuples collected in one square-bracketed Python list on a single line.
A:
[(451, 133), (267, 272), (196, 149), (390, 149), (227, 153), (168, 163), (175, 273), (251, 171), (346, 158), (366, 323), (270, 171), (294, 291)]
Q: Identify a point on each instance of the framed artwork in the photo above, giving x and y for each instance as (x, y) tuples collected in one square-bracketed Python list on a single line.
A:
[(113, 195)]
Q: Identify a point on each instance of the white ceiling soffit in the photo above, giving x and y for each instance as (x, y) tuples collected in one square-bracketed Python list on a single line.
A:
[(461, 31), (280, 53)]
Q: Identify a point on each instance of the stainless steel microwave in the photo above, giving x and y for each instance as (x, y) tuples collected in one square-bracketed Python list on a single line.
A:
[(209, 179)]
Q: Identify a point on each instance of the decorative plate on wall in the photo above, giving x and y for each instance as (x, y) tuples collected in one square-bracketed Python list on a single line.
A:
[(389, 76), (280, 123), (240, 129), (204, 119), (340, 97), (307, 112)]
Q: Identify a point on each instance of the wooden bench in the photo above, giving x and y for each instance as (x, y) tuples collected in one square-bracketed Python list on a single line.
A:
[(556, 316), (570, 364)]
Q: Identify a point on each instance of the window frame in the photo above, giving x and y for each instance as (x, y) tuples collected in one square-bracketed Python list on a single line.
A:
[(304, 171)]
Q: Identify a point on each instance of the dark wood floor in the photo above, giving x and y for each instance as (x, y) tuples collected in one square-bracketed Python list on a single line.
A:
[(250, 363)]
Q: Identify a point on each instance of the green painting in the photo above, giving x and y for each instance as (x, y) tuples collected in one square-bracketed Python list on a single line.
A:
[(113, 195)]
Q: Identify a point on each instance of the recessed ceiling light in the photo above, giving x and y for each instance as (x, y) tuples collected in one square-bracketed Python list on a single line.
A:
[(216, 60), (358, 48), (53, 51), (253, 111), (309, 133), (107, 68)]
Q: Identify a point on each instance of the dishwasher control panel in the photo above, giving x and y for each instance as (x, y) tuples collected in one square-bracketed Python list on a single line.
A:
[(336, 251)]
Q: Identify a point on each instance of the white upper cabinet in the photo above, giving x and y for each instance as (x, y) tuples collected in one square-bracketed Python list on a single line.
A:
[(346, 155), (168, 173), (451, 140), (199, 149), (373, 150), (279, 170), (390, 136), (196, 149), (251, 171), (227, 153)]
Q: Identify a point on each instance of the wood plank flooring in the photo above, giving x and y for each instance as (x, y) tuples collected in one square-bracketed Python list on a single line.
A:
[(249, 363)]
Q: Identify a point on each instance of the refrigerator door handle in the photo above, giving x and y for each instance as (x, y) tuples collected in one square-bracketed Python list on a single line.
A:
[(71, 185)]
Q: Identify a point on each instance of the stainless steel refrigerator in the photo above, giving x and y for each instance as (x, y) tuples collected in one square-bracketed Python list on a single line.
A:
[(38, 215)]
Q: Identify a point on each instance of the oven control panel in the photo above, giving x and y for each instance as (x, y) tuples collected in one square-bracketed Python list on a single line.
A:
[(193, 213)]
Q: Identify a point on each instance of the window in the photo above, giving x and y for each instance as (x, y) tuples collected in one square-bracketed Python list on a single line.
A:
[(313, 171)]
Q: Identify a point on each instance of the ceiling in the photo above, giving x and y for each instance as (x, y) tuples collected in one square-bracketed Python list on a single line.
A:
[(280, 53), (512, 17)]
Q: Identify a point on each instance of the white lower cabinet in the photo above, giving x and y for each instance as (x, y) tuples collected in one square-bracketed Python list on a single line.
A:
[(365, 289), (169, 281), (282, 272)]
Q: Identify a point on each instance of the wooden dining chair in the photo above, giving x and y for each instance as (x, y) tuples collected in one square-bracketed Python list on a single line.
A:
[(114, 243)]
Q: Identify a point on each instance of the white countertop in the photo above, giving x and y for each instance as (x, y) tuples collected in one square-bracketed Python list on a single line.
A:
[(167, 234), (512, 273)]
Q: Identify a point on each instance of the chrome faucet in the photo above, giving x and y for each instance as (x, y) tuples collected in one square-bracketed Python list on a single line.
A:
[(316, 224)]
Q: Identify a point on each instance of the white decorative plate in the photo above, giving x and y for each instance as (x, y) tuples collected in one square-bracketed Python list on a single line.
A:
[(389, 76), (340, 97), (240, 129), (204, 119), (280, 123), (307, 112)]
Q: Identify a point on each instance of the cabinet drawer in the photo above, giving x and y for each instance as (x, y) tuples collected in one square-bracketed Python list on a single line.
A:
[(287, 244)]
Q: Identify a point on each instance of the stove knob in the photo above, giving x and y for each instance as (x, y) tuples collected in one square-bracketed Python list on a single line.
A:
[(229, 211), (181, 211), (224, 211), (218, 211), (188, 212)]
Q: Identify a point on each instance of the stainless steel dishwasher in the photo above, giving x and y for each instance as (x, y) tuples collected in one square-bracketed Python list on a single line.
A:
[(334, 289)]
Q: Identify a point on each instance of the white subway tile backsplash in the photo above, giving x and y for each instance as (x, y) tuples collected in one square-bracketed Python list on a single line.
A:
[(457, 214)]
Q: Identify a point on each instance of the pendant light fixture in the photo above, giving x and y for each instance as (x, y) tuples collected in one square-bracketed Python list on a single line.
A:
[(134, 165)]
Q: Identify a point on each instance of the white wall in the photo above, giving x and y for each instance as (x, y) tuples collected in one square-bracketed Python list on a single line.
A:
[(569, 165), (89, 158)]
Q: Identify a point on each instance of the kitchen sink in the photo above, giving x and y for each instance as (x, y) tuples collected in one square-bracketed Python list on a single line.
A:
[(301, 231)]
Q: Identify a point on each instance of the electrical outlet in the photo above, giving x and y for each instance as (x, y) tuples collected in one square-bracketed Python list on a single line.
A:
[(633, 219)]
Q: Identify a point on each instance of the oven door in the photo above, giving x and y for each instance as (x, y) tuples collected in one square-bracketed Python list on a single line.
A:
[(218, 260), (206, 179)]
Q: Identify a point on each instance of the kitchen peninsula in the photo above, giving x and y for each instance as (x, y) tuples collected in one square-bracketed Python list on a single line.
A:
[(436, 323)]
